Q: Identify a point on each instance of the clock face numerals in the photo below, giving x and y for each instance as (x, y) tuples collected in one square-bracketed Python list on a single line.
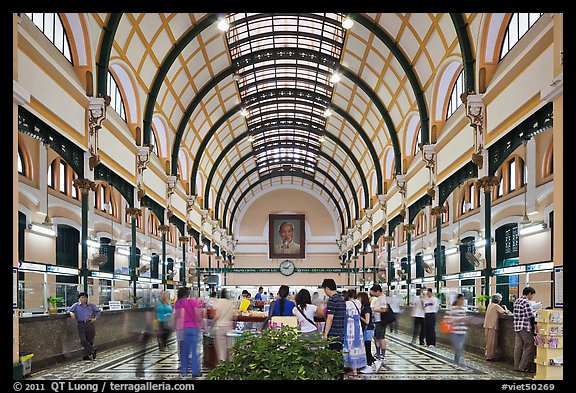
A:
[(287, 268)]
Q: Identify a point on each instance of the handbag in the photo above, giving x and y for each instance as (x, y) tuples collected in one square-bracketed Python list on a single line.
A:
[(445, 326), (387, 317)]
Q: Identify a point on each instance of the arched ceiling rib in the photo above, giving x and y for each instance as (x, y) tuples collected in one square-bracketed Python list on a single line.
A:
[(286, 178), (332, 143), (347, 198), (186, 69)]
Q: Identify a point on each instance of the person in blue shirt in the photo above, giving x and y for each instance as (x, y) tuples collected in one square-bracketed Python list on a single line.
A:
[(85, 314), (259, 295), (164, 316), (282, 306)]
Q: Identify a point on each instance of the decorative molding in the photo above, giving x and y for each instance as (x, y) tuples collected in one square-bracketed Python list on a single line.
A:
[(487, 183), (20, 95), (476, 113), (84, 185), (549, 93)]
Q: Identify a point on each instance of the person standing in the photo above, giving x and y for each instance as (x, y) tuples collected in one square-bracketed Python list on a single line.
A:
[(189, 315), (367, 322), (491, 325), (354, 350), (282, 306), (379, 306), (335, 315), (456, 316), (395, 304), (85, 314), (524, 334), (431, 306), (259, 296), (223, 323), (164, 316), (418, 316), (304, 312)]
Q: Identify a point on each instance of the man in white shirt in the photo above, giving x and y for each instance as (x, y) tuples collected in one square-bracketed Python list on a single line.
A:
[(395, 303), (418, 315), (379, 305), (431, 306)]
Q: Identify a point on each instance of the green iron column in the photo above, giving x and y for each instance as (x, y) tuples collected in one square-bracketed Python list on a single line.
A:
[(183, 271), (437, 212), (164, 230), (409, 228), (487, 183), (84, 185), (134, 213)]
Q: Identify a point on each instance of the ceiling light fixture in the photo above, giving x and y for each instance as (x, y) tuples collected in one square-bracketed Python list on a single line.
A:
[(327, 112), (223, 25), (335, 78), (244, 112), (347, 23)]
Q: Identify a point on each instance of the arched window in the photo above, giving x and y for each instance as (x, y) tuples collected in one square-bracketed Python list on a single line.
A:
[(455, 100), (60, 178), (116, 101), (51, 25), (104, 200), (469, 198), (22, 167), (519, 24), (421, 223), (512, 174), (548, 168), (153, 225)]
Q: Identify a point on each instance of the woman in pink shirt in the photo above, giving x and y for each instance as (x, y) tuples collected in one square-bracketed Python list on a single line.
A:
[(189, 314)]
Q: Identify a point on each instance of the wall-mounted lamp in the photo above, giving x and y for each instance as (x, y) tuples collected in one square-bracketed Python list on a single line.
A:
[(527, 230), (42, 229)]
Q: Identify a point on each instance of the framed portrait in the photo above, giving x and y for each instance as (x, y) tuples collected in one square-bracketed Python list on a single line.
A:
[(287, 236)]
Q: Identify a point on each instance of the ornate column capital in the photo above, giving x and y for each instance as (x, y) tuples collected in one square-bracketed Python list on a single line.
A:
[(134, 212), (184, 239), (388, 239), (409, 228), (84, 185), (487, 183), (437, 211), (164, 229)]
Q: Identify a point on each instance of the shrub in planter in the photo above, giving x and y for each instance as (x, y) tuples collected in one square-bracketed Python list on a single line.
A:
[(280, 353)]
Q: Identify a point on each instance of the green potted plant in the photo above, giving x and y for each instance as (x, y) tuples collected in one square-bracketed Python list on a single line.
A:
[(280, 354), (53, 301), (481, 302), (135, 299)]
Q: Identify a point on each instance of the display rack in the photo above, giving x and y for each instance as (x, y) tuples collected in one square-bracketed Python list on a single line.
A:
[(549, 342)]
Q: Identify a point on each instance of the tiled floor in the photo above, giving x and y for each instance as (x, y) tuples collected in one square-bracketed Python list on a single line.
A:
[(404, 361)]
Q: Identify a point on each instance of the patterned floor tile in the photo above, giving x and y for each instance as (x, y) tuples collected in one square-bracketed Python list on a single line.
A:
[(404, 361)]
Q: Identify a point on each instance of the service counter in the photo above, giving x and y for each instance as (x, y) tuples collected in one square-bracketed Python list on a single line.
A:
[(54, 338), (475, 339)]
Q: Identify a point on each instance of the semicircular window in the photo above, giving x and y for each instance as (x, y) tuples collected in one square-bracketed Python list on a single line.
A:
[(283, 64)]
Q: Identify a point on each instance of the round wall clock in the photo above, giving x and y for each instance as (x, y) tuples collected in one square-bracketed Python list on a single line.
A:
[(287, 267)]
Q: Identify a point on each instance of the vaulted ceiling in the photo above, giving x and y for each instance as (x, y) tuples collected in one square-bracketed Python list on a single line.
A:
[(245, 109)]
